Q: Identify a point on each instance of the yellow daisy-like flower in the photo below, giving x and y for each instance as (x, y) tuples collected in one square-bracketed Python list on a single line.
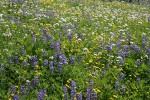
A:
[(97, 90), (12, 94), (16, 86), (9, 99), (67, 85), (69, 80), (115, 96), (120, 69), (115, 67), (91, 60), (21, 58)]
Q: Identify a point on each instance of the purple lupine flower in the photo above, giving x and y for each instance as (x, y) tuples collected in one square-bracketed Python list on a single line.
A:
[(22, 90), (109, 48), (52, 45), (43, 39), (57, 45), (121, 54), (138, 62), (44, 91), (135, 48), (129, 36), (44, 31), (121, 76), (138, 79), (126, 54), (126, 47), (123, 89), (69, 36), (73, 90), (72, 61), (103, 72), (41, 94), (22, 50), (9, 60), (1, 67), (25, 63), (23, 11), (65, 90), (143, 42), (12, 89), (93, 95), (79, 96), (44, 53), (34, 63), (103, 44), (79, 58), (60, 67), (45, 62), (51, 66), (21, 1), (64, 60), (16, 59), (33, 60), (36, 80), (117, 85), (91, 84), (148, 50), (16, 97), (14, 1), (34, 38), (121, 62), (88, 93), (35, 4), (148, 19), (118, 44), (28, 84)]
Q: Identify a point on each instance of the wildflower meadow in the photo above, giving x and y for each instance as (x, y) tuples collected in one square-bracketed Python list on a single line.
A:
[(74, 50)]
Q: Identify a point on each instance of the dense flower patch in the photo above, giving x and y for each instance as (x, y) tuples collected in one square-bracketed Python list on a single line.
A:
[(74, 50)]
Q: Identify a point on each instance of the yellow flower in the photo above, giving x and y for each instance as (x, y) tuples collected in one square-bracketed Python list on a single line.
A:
[(12, 94), (67, 86), (90, 74), (21, 58), (39, 73), (63, 95), (115, 78), (120, 69), (16, 86), (91, 60), (69, 80), (97, 90), (36, 66), (115, 96), (95, 67), (115, 67), (37, 34), (9, 99)]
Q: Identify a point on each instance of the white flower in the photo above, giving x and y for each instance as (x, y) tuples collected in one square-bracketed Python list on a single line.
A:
[(7, 34), (85, 49), (27, 81), (51, 57), (1, 15), (99, 53), (79, 39)]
